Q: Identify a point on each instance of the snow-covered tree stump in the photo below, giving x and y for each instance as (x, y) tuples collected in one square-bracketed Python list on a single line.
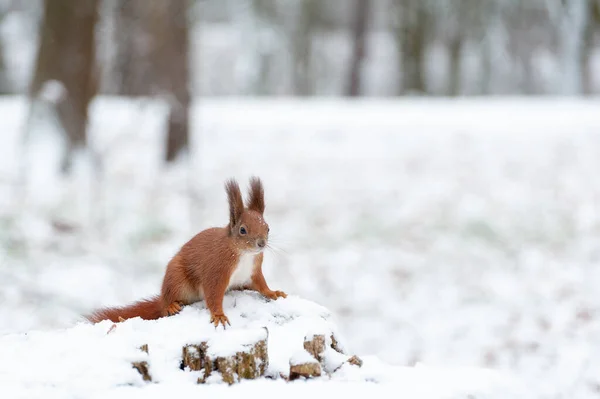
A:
[(249, 363), (289, 338), (318, 357)]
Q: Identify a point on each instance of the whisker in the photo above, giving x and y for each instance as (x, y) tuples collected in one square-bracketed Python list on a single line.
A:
[(277, 241), (276, 250)]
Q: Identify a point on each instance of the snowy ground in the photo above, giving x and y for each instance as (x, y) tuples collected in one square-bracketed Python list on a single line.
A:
[(446, 233), (96, 360)]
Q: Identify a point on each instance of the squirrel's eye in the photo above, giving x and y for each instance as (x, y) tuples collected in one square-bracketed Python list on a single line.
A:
[(243, 230)]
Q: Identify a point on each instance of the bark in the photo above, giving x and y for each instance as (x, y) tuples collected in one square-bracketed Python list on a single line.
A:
[(249, 364), (305, 370)]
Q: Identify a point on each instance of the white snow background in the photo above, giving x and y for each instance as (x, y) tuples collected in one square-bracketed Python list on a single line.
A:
[(443, 235)]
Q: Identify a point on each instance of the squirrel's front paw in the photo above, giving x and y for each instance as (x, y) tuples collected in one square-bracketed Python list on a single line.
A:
[(275, 294), (217, 319)]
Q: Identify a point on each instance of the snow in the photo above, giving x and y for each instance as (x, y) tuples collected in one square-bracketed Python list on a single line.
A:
[(96, 359), (301, 356), (446, 236), (53, 91)]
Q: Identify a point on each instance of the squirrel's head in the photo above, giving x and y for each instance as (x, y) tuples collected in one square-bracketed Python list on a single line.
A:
[(246, 224)]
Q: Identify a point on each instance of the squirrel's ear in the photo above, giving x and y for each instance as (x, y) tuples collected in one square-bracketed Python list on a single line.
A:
[(256, 199), (236, 204)]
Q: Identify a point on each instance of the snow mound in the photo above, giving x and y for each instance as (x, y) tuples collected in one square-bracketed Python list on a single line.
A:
[(138, 356)]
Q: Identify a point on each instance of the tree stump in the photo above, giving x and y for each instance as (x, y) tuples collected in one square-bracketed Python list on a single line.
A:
[(142, 366), (306, 370), (249, 364), (315, 346)]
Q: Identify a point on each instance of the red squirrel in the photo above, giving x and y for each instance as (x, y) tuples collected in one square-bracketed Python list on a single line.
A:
[(211, 263)]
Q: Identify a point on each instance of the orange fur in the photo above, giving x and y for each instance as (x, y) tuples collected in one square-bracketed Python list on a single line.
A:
[(147, 309), (203, 267)]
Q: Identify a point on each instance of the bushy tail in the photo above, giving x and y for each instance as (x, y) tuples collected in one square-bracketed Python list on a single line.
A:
[(147, 309)]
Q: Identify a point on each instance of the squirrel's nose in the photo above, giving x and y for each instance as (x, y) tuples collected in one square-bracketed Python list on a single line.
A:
[(261, 243)]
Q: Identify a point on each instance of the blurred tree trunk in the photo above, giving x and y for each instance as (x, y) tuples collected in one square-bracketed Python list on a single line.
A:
[(67, 55), (301, 40), (522, 47), (493, 34), (176, 71), (265, 16), (587, 69), (5, 84), (153, 57), (455, 51), (132, 41), (361, 17), (411, 29), (456, 19)]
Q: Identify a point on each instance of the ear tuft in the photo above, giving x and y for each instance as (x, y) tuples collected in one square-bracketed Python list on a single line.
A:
[(236, 204), (256, 199)]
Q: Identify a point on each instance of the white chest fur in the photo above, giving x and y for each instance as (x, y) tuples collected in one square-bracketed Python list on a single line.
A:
[(243, 272)]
